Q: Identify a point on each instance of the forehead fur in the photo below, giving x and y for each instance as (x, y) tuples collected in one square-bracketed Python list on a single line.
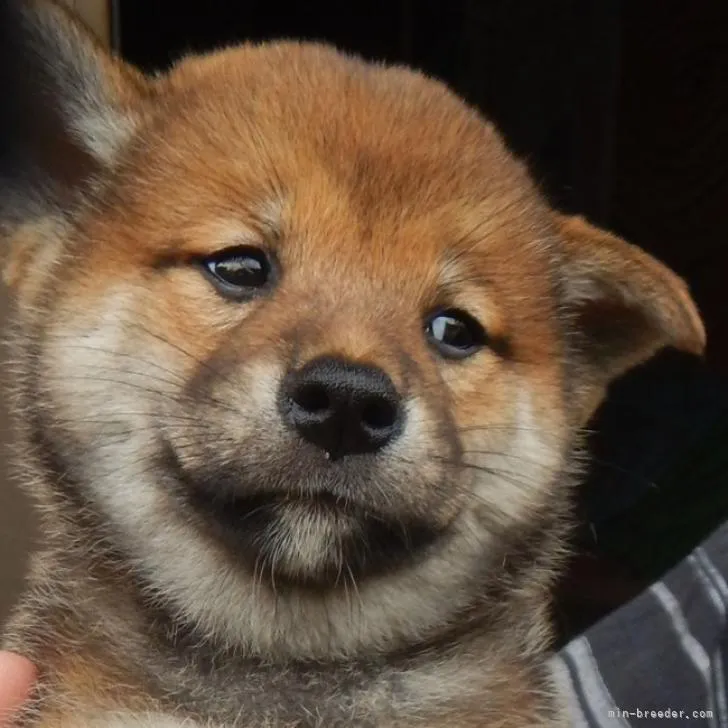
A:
[(363, 172), (368, 164), (277, 114)]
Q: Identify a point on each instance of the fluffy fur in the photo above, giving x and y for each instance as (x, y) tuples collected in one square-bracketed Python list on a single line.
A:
[(383, 198)]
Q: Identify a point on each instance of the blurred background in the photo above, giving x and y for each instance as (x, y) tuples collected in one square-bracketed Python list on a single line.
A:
[(620, 110)]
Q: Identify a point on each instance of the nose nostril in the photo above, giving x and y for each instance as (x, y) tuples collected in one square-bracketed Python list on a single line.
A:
[(341, 407), (379, 414), (312, 398)]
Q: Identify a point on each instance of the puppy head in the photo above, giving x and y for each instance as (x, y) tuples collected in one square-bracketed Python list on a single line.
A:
[(302, 332)]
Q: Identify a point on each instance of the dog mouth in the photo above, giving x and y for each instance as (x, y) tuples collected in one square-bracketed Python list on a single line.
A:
[(304, 537), (250, 515), (314, 541)]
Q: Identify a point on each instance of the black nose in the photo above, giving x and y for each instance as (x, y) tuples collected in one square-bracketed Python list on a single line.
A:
[(342, 407)]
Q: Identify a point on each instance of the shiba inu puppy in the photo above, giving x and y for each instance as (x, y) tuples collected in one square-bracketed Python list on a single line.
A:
[(302, 359)]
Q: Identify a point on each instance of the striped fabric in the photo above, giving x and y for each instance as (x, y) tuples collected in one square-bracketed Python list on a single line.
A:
[(660, 660)]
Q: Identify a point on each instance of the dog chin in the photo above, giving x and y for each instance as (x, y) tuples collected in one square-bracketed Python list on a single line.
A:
[(319, 542)]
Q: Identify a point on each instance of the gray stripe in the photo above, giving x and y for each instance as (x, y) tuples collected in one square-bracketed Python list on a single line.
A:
[(692, 647), (641, 659), (718, 674), (713, 572), (702, 615), (705, 579), (567, 690), (719, 689), (598, 698), (716, 548), (695, 651)]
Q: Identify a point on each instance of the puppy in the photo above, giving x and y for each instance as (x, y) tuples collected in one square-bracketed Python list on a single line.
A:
[(302, 361)]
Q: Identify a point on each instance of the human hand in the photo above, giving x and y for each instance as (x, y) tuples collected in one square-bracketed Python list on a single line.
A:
[(17, 676)]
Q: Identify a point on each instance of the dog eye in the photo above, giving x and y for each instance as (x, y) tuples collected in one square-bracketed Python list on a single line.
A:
[(238, 272), (455, 334)]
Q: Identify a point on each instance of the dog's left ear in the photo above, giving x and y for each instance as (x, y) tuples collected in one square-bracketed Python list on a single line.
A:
[(68, 110), (624, 306), (68, 107)]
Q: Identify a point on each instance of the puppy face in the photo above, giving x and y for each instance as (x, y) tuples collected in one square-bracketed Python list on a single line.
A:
[(310, 342)]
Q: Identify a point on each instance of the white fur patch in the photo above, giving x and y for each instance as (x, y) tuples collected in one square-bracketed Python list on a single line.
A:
[(102, 133), (131, 720), (530, 459)]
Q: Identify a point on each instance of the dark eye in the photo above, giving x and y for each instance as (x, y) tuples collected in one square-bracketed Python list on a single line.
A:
[(455, 334), (239, 272)]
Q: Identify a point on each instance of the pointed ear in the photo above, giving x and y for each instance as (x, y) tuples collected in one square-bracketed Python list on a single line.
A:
[(624, 306), (67, 107)]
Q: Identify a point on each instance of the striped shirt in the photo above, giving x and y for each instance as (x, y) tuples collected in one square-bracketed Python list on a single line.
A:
[(661, 659)]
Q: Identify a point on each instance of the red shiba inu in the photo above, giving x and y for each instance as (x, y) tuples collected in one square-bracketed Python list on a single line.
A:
[(302, 362)]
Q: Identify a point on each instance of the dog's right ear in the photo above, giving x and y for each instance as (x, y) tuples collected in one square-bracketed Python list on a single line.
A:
[(68, 108)]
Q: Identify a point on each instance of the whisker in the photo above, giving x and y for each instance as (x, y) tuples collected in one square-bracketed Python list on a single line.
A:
[(175, 398), (176, 378), (117, 354), (509, 456), (355, 588), (453, 487), (184, 352), (586, 458), (508, 427), (472, 232), (117, 415)]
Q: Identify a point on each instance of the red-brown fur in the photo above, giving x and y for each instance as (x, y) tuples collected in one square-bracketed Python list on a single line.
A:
[(383, 197)]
